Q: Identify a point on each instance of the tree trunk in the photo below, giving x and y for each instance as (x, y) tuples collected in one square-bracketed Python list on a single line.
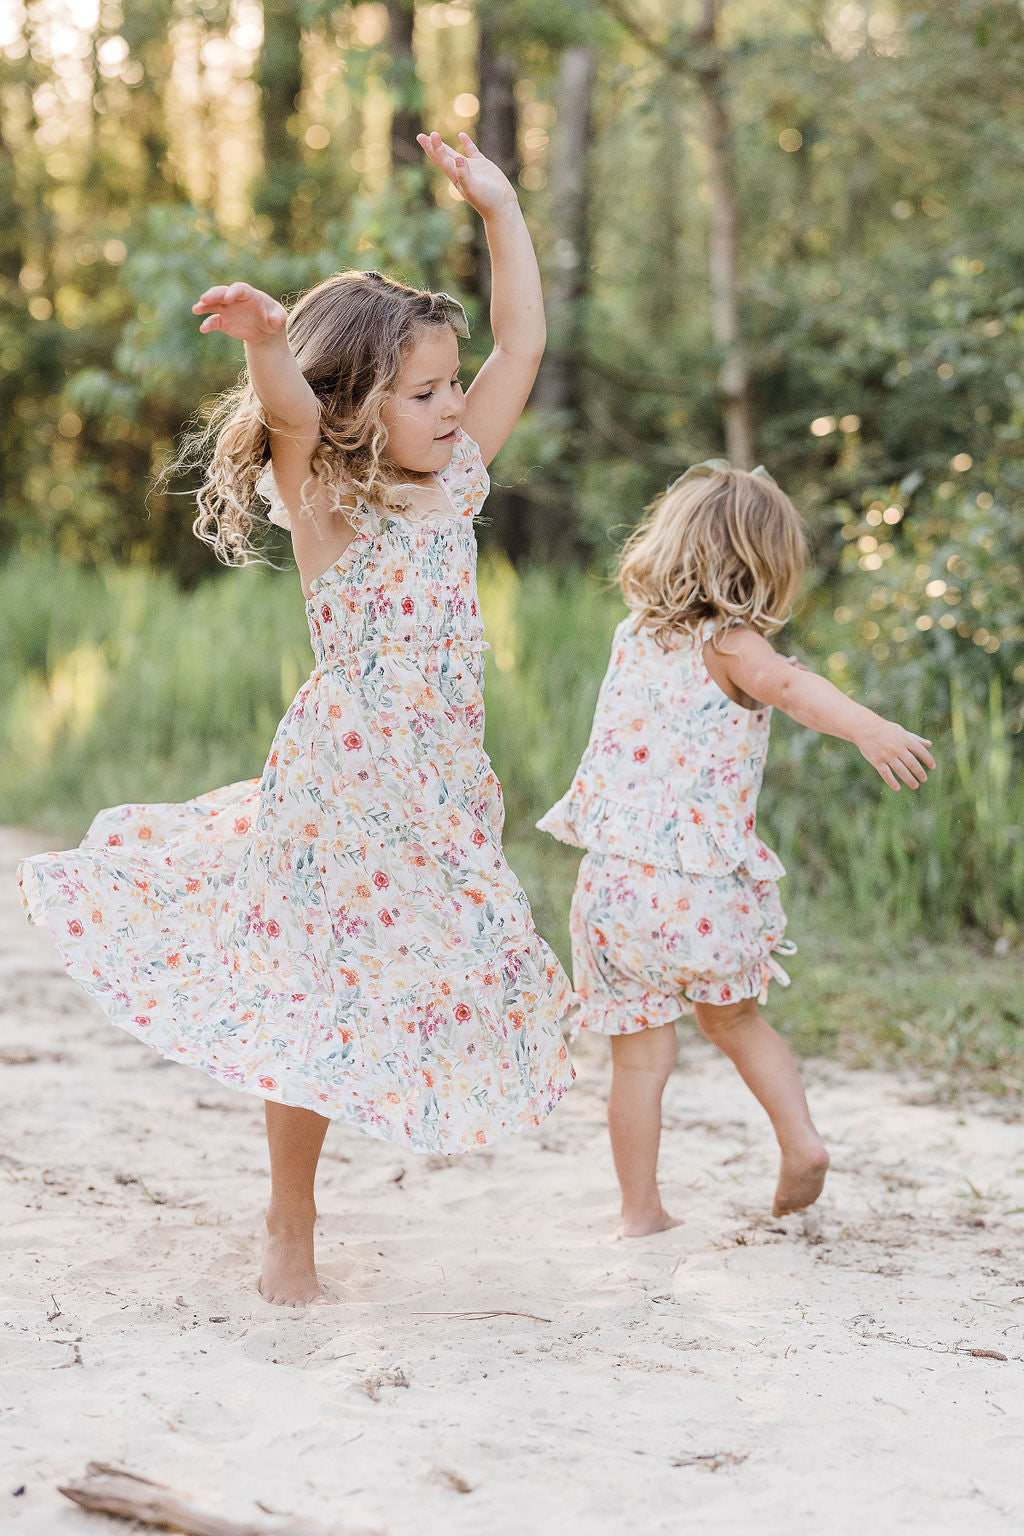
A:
[(733, 377), (558, 386), (279, 79), (498, 130), (404, 86)]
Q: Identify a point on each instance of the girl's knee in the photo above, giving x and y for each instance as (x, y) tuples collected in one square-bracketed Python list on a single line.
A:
[(719, 1020)]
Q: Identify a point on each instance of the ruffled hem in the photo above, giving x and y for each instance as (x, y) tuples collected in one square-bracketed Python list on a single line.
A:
[(444, 1068), (675, 842), (631, 1016)]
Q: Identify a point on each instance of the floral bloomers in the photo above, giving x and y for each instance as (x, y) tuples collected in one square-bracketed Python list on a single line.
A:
[(343, 934), (676, 900)]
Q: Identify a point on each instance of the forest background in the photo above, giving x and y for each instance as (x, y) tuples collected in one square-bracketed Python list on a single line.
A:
[(790, 232)]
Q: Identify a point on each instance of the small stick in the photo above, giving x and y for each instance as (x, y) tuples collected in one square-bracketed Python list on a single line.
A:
[(114, 1491), (477, 1317)]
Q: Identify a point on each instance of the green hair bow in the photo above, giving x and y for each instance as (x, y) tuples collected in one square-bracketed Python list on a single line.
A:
[(457, 317), (708, 467)]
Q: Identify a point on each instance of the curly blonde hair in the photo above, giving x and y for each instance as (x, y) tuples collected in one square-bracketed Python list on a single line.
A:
[(349, 335), (728, 546)]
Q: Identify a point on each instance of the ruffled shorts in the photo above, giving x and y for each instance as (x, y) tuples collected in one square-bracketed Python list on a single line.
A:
[(648, 942)]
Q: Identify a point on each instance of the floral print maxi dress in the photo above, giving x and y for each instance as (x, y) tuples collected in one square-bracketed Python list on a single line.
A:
[(343, 934), (676, 900)]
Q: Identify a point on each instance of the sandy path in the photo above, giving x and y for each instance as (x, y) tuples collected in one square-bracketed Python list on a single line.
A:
[(731, 1376)]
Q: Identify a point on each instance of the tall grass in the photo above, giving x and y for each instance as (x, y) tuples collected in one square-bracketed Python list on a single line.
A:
[(118, 686)]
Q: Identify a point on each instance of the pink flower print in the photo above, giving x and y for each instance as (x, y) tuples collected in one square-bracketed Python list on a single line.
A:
[(242, 825), (381, 880), (407, 605), (749, 823), (268, 1082), (352, 741), (478, 839), (386, 918), (599, 938), (697, 817), (325, 614), (273, 929), (462, 1013), (726, 994), (115, 840), (704, 927), (142, 1020), (641, 755), (75, 928)]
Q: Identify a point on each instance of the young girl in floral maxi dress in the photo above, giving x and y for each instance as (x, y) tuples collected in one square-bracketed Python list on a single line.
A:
[(344, 937), (676, 907)]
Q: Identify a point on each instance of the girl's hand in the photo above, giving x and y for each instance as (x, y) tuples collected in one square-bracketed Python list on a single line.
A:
[(895, 753), (482, 184), (241, 311)]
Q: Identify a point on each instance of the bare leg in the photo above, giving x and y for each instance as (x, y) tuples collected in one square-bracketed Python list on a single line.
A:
[(294, 1137), (641, 1065), (766, 1065)]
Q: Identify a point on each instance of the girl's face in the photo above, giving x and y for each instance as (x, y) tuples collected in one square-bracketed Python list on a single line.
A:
[(422, 414)]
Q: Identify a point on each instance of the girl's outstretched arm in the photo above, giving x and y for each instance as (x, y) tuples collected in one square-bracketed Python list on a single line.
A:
[(497, 395), (289, 405), (754, 667)]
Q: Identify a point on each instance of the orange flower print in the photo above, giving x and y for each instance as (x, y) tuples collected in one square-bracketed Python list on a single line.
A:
[(381, 880), (75, 928), (145, 833), (242, 825), (641, 754), (142, 1020), (268, 1082), (273, 929), (335, 711), (310, 829), (462, 1013), (96, 915), (192, 885), (386, 918), (352, 742), (478, 839), (174, 960), (115, 840)]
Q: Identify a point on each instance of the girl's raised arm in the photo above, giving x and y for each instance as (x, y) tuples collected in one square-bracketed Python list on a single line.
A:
[(752, 665), (495, 400), (289, 405)]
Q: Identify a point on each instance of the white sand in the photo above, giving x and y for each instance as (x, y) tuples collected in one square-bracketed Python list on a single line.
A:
[(730, 1376)]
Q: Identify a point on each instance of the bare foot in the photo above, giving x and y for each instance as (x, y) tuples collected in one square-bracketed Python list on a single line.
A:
[(801, 1179), (643, 1223), (288, 1277)]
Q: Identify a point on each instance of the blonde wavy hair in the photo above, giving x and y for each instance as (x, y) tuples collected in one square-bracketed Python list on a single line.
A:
[(727, 546), (349, 335)]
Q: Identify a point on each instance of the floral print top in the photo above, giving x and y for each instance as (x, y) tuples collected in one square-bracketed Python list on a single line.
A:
[(671, 773)]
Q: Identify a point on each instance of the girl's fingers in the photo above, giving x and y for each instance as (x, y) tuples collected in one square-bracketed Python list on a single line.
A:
[(211, 323), (470, 148), (915, 767), (900, 768), (888, 775)]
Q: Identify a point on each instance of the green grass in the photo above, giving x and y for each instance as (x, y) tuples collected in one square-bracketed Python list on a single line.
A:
[(118, 686)]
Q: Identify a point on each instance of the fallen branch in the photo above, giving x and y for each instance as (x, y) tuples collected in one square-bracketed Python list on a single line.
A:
[(114, 1491)]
